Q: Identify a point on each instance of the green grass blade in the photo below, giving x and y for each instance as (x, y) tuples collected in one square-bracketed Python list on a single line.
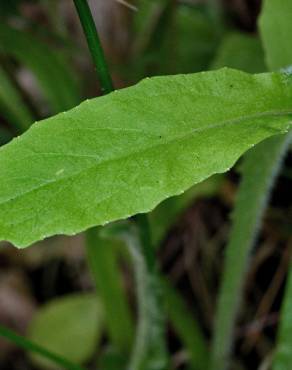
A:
[(35, 348), (102, 258), (276, 27), (186, 328), (94, 45), (283, 355), (253, 195), (12, 106), (53, 73)]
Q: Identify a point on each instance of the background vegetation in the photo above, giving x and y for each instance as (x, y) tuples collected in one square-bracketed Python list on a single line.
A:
[(84, 304)]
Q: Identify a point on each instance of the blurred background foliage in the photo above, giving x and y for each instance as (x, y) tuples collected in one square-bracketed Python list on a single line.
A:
[(46, 290)]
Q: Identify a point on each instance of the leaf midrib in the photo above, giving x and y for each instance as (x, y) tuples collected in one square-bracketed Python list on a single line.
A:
[(166, 142)]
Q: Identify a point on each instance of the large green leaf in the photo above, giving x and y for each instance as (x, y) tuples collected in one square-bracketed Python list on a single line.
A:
[(121, 154), (70, 326)]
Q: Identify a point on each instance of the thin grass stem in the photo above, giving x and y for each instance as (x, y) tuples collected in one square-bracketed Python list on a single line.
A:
[(94, 44), (30, 346)]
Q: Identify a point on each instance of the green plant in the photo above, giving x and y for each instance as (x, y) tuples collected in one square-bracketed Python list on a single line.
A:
[(120, 155)]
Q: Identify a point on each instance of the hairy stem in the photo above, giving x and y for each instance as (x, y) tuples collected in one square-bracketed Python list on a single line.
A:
[(149, 350)]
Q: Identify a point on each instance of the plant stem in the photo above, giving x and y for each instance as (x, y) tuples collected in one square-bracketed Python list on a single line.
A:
[(33, 347), (100, 257), (150, 332), (94, 45), (149, 350), (98, 57)]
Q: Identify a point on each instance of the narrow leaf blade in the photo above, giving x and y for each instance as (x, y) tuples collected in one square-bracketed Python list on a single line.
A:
[(276, 27), (50, 68), (283, 355), (12, 105)]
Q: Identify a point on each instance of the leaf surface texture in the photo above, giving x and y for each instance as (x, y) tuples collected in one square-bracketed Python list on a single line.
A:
[(118, 155)]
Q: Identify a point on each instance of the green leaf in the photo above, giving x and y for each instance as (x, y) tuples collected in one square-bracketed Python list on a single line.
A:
[(276, 28), (123, 153), (283, 356), (69, 326), (50, 68)]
